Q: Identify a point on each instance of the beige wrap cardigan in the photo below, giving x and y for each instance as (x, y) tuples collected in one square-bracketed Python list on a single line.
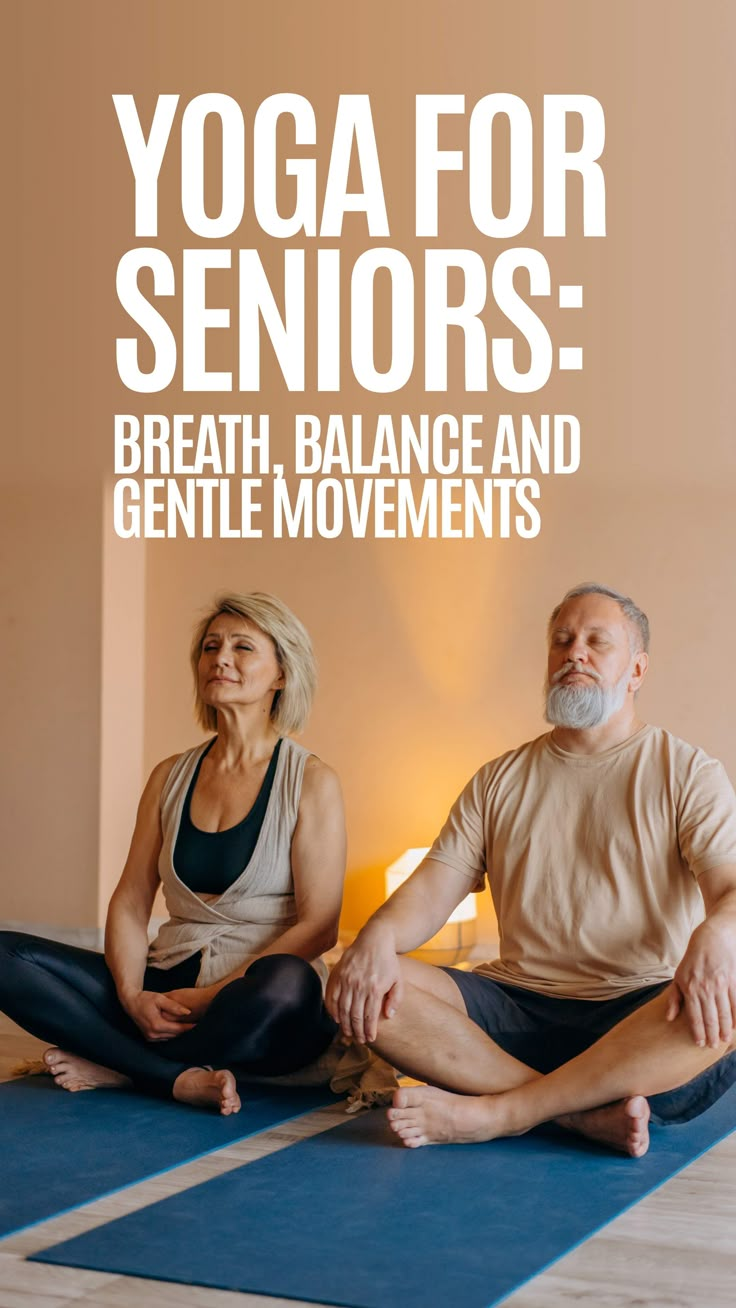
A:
[(232, 928)]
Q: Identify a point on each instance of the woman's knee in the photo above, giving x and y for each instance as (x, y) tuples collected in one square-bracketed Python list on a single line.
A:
[(17, 944), (18, 958), (289, 982), (26, 955)]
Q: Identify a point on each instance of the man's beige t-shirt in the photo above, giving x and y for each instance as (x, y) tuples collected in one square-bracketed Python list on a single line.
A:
[(592, 860)]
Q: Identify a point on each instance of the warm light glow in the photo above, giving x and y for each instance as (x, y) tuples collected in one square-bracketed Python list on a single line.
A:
[(403, 867)]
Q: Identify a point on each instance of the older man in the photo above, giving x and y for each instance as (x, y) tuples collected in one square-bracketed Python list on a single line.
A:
[(609, 847)]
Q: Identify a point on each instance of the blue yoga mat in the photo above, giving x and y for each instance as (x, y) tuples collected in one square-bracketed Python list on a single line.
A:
[(351, 1217), (59, 1150)]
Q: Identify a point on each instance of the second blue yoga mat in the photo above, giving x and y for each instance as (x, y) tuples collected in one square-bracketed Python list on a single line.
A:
[(59, 1150), (350, 1217)]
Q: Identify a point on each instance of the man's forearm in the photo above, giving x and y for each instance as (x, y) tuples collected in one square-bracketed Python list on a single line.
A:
[(420, 907), (722, 913), (407, 930)]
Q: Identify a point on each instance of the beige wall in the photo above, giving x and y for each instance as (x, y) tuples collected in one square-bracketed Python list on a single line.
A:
[(51, 680), (122, 699), (430, 652)]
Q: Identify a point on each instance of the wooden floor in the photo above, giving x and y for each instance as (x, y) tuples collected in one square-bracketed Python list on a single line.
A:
[(676, 1249)]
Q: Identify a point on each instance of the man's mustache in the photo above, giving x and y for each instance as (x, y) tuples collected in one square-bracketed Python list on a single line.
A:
[(574, 667)]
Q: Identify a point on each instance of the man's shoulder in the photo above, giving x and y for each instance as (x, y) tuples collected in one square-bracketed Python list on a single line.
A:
[(688, 772), (513, 760), (660, 741)]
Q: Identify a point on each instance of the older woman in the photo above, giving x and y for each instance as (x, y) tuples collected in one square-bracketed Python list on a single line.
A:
[(246, 834)]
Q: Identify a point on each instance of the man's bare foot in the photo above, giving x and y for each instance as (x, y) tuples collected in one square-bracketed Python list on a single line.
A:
[(422, 1115), (203, 1088), (623, 1126), (425, 1115), (74, 1073)]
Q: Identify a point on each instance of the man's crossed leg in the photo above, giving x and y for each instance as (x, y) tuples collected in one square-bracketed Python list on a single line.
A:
[(478, 1090)]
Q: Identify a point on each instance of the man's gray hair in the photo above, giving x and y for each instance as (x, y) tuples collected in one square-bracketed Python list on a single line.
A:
[(635, 616)]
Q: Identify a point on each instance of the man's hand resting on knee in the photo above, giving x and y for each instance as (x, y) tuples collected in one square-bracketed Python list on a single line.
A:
[(366, 984), (705, 982)]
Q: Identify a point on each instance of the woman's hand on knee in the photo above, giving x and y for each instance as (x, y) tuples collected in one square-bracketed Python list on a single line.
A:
[(195, 1000), (158, 1017)]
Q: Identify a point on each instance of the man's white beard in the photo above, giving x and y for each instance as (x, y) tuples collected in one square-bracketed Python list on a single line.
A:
[(584, 705)]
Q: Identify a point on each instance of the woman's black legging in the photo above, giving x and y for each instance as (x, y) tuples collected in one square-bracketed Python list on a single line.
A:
[(266, 1023)]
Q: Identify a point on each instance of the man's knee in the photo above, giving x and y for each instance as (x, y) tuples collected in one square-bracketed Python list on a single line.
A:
[(430, 980)]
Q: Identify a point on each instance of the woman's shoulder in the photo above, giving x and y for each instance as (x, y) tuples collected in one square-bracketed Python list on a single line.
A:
[(312, 778), (320, 781), (169, 768)]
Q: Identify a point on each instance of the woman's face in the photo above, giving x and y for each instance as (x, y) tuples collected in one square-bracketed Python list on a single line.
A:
[(238, 664)]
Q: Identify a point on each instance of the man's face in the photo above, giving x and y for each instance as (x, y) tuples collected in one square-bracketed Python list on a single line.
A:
[(590, 668)]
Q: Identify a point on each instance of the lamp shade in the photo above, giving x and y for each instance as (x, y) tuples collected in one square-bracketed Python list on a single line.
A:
[(401, 869)]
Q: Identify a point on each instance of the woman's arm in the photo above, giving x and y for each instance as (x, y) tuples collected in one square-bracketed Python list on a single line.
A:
[(318, 852), (126, 928)]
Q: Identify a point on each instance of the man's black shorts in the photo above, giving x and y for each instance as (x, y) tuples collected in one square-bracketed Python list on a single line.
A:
[(544, 1032)]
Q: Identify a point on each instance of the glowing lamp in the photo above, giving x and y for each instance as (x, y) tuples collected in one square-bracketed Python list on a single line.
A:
[(403, 867)]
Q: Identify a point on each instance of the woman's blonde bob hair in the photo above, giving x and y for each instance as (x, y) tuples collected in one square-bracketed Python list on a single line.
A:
[(290, 708)]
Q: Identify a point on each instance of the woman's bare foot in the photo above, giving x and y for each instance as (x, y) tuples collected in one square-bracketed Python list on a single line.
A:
[(623, 1125), (205, 1088), (425, 1115), (74, 1073)]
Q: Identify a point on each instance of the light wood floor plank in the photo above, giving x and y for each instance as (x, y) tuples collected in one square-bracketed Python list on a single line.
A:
[(14, 1278), (128, 1290)]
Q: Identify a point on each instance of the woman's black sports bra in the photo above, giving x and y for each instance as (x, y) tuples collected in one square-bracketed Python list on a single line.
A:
[(208, 862)]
